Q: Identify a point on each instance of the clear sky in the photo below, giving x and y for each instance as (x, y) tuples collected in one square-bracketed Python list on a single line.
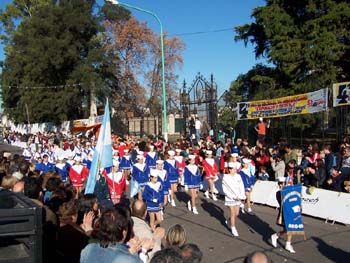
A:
[(211, 52)]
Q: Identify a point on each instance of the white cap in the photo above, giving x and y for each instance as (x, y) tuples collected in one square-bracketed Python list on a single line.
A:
[(60, 157), (77, 158), (154, 173), (192, 157), (178, 150), (234, 154), (18, 175), (139, 156), (171, 153), (140, 153), (70, 154), (232, 165), (151, 146), (281, 179), (159, 161), (115, 162), (261, 119), (87, 143), (209, 152), (245, 160)]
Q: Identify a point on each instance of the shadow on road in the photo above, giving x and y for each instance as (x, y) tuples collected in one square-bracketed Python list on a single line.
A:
[(257, 225), (332, 253), (214, 211)]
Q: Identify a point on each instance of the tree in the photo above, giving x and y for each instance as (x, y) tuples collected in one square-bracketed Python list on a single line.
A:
[(139, 50), (58, 52), (306, 41)]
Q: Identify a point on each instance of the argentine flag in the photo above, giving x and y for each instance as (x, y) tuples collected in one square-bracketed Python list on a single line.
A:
[(103, 152)]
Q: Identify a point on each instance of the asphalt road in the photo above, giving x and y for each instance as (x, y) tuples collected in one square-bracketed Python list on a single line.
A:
[(324, 242)]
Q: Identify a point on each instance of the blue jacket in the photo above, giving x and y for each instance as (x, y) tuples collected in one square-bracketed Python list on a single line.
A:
[(113, 254)]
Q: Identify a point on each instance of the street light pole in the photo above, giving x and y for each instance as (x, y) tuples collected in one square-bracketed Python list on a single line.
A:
[(115, 2)]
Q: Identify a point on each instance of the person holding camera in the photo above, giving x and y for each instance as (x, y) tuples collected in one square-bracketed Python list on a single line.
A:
[(278, 166)]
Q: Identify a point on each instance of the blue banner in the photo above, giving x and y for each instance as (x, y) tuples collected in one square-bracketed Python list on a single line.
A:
[(291, 209)]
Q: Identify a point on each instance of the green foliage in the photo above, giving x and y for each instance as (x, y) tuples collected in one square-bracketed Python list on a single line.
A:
[(56, 44), (307, 42)]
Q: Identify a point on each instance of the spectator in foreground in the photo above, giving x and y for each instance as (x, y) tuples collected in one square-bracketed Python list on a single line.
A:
[(111, 247), (176, 236), (191, 253), (257, 257), (142, 229), (168, 255)]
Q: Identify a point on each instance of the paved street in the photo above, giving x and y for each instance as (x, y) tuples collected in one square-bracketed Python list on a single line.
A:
[(324, 243)]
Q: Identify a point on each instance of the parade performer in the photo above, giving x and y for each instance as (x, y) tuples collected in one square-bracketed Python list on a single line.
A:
[(181, 163), (61, 168), (87, 155), (140, 173), (233, 187), (153, 195), (78, 173), (289, 213), (163, 178), (45, 166), (192, 178), (116, 183), (248, 179), (173, 174), (151, 157), (211, 173)]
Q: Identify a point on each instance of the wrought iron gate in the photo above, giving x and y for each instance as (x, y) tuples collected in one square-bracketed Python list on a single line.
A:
[(200, 99)]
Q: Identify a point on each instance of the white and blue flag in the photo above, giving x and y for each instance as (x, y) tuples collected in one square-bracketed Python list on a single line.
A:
[(103, 152)]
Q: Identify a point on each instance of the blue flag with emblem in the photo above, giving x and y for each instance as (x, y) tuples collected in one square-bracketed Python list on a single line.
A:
[(291, 209), (103, 152)]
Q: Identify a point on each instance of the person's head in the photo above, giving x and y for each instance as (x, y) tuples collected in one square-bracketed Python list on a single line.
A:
[(113, 227), (262, 169), (257, 257), (346, 152), (8, 182), (191, 253), (153, 176), (68, 212), (232, 168), (87, 203), (53, 183), (45, 158), (167, 255), (176, 236), (171, 154), (32, 188), (319, 163), (159, 164), (327, 149), (281, 181), (139, 209)]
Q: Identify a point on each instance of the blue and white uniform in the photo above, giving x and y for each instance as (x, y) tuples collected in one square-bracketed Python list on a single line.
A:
[(173, 173), (154, 196), (192, 176)]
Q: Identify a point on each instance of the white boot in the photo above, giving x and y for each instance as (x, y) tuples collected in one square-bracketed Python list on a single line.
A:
[(173, 202), (194, 210), (189, 205), (242, 208), (214, 196), (289, 247), (206, 194), (274, 238), (234, 231)]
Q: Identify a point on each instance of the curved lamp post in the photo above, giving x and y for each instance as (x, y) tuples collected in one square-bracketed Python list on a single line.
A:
[(115, 2)]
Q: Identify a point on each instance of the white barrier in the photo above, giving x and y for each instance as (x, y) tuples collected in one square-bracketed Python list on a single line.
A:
[(331, 205)]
